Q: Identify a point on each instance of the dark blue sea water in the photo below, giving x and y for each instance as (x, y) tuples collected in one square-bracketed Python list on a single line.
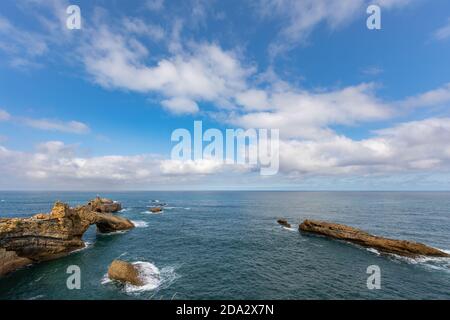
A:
[(227, 245)]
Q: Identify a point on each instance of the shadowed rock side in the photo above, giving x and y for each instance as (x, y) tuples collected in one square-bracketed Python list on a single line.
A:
[(10, 261), (124, 272), (385, 245), (103, 205), (50, 236)]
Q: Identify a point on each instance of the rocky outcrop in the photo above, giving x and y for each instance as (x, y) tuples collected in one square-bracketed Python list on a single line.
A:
[(10, 261), (50, 236), (124, 272), (385, 245), (284, 223), (156, 210), (108, 223), (103, 205)]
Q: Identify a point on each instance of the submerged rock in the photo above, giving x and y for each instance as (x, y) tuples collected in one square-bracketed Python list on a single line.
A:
[(284, 223), (50, 236), (124, 272), (385, 245), (103, 205)]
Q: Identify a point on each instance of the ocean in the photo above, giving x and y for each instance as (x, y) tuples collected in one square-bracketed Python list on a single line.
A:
[(228, 245)]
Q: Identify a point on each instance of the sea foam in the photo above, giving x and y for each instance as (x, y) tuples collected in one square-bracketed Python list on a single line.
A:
[(140, 224), (152, 277)]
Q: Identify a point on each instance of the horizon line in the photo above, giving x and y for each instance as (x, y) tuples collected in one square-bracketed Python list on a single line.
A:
[(225, 190)]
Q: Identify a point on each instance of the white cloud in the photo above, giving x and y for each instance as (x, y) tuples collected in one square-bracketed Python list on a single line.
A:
[(372, 71), (154, 5), (57, 125), (403, 148), (300, 18), (19, 44), (190, 167), (47, 124), (443, 33), (4, 116), (253, 99), (57, 165), (180, 105), (435, 97), (140, 27), (203, 73), (304, 114)]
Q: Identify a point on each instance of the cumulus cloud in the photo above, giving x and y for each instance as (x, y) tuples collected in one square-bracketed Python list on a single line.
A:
[(435, 97), (203, 73), (180, 105), (189, 167), (304, 114), (402, 148), (253, 99), (55, 164)]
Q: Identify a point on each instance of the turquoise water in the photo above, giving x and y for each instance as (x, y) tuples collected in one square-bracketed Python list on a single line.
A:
[(227, 245)]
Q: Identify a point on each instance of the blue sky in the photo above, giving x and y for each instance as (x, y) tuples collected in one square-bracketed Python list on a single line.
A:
[(95, 108)]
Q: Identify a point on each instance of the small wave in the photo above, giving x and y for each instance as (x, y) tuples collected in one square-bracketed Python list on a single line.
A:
[(373, 250), (140, 224), (124, 210), (435, 263), (40, 296), (152, 277), (2, 200), (149, 212), (111, 233), (171, 208), (289, 229), (87, 245)]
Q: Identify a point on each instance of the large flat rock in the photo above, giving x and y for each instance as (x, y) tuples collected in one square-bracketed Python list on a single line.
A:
[(346, 233)]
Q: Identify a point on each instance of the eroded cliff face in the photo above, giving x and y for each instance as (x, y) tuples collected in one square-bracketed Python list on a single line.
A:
[(50, 236), (102, 205), (10, 261), (346, 233)]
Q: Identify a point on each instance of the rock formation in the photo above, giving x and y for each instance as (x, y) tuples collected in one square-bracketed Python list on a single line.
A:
[(156, 210), (284, 223), (49, 236), (385, 245), (103, 205), (10, 261), (124, 272)]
